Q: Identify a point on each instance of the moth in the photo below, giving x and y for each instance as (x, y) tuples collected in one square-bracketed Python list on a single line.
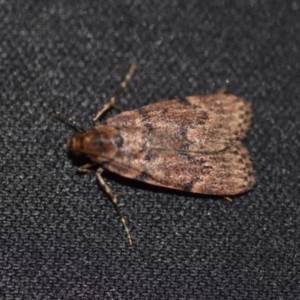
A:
[(193, 145)]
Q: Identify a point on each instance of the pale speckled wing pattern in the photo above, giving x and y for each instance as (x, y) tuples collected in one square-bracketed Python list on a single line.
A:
[(204, 123), (228, 172), (197, 141)]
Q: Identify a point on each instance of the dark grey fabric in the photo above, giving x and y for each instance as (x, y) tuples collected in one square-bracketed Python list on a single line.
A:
[(60, 236)]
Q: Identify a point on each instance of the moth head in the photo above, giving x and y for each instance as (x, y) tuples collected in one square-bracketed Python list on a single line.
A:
[(101, 140)]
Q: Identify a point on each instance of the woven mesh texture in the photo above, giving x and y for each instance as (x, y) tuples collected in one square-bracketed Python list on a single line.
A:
[(60, 237)]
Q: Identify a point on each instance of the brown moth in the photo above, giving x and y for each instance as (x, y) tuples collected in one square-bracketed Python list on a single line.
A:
[(192, 145)]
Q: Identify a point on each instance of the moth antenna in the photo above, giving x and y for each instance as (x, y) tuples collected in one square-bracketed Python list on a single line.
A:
[(120, 89), (71, 121)]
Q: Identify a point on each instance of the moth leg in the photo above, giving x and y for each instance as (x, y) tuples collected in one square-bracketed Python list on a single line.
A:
[(71, 121), (227, 198), (114, 200), (120, 89), (86, 168), (223, 90)]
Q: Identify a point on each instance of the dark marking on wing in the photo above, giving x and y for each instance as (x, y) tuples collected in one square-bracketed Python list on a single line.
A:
[(142, 177), (187, 187)]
